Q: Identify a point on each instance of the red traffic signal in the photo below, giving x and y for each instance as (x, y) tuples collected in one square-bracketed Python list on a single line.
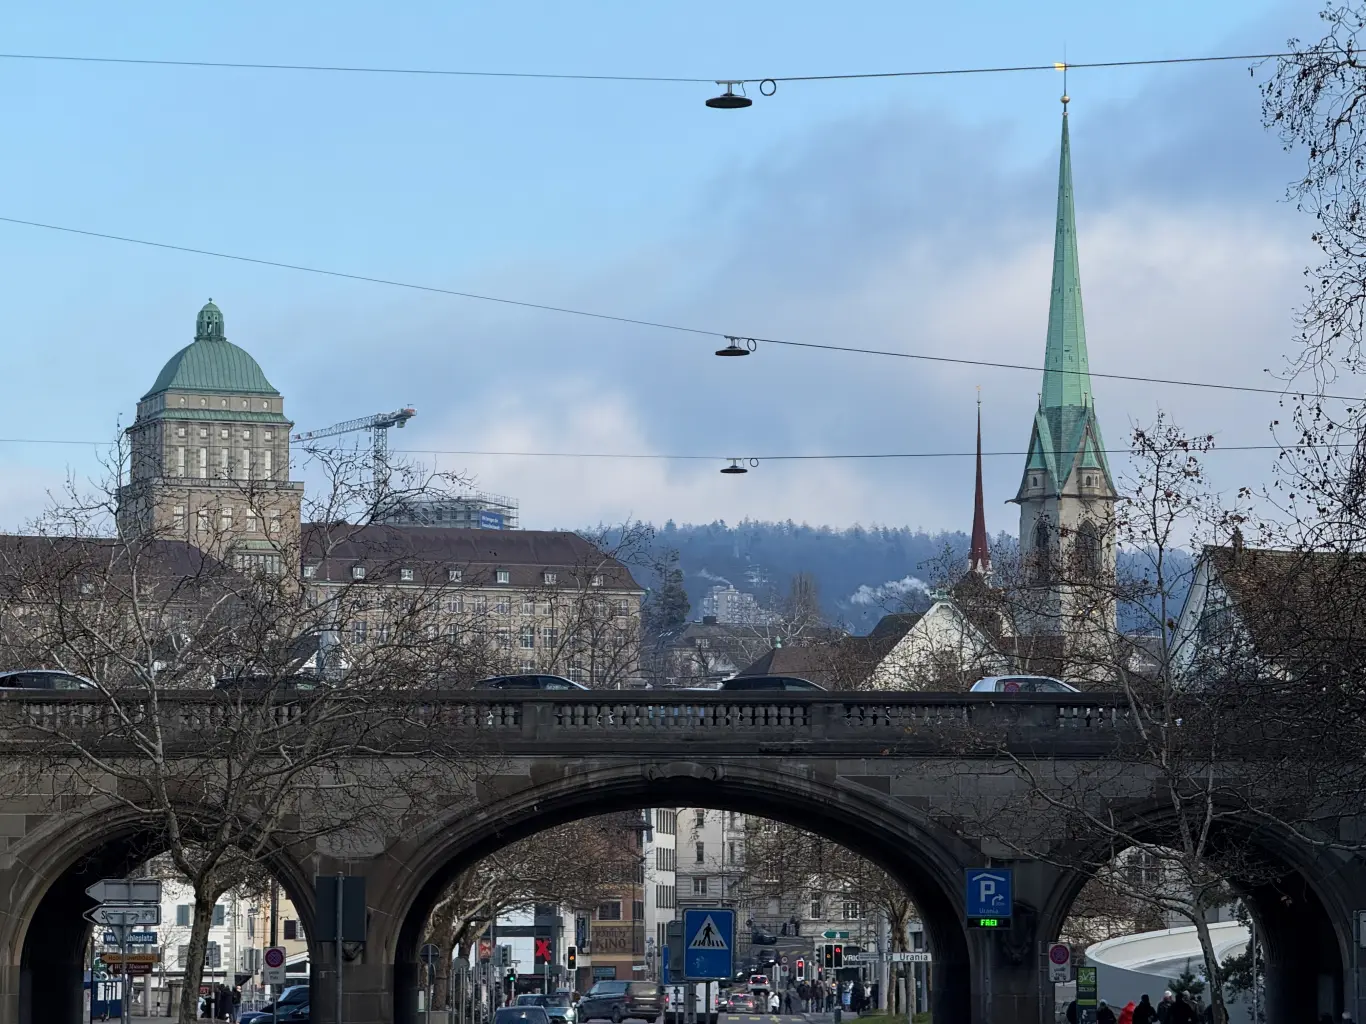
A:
[(801, 969), (837, 954)]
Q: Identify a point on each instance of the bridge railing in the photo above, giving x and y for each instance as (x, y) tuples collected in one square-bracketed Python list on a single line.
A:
[(611, 721)]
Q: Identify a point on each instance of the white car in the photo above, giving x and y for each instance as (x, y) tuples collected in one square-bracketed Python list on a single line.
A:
[(1022, 684)]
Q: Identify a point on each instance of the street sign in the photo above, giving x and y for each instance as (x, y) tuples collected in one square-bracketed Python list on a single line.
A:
[(1361, 928), (835, 935), (273, 973), (430, 954), (989, 892), (867, 958), (124, 915), (919, 956), (126, 890), (673, 935), (709, 944), (1059, 962), (132, 938), (1086, 992), (485, 948)]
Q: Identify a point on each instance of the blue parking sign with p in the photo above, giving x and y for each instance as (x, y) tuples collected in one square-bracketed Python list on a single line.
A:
[(989, 892)]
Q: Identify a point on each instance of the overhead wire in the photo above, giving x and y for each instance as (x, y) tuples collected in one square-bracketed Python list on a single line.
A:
[(655, 324), (668, 79)]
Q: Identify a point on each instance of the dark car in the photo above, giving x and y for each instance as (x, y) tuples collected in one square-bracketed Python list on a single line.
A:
[(521, 1015), (559, 1007), (529, 682), (786, 683), (44, 679), (742, 1002), (293, 998), (619, 1000)]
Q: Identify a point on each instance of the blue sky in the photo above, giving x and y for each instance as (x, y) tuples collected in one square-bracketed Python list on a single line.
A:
[(908, 214)]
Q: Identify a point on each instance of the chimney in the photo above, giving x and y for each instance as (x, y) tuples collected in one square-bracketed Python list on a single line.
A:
[(708, 620)]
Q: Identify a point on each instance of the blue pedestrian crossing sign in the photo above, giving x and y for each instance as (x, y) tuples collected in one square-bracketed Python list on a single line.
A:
[(989, 892), (708, 944)]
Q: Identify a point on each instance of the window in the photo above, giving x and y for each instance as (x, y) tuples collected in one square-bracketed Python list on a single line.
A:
[(179, 431), (730, 851), (222, 463), (700, 817), (481, 604), (178, 517), (225, 519), (182, 400), (504, 637), (220, 915), (664, 859), (548, 578), (244, 464), (664, 897), (637, 910), (550, 636), (251, 520), (852, 910), (528, 666), (734, 819), (1043, 556), (406, 575), (528, 605), (502, 605), (701, 853), (203, 462), (816, 909), (223, 433), (358, 572), (454, 575), (273, 523), (596, 581), (699, 885), (576, 673), (292, 930), (203, 431), (623, 607), (1090, 558), (202, 520), (180, 462), (609, 911), (702, 643), (310, 571), (504, 576), (528, 637), (269, 435), (266, 470), (182, 915), (246, 435), (358, 630)]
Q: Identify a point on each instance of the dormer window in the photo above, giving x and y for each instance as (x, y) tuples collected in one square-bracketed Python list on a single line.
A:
[(406, 575), (503, 576), (548, 578), (454, 575), (182, 401), (596, 581), (310, 571), (358, 572)]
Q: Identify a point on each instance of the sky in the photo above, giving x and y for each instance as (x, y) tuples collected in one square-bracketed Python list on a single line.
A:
[(912, 214)]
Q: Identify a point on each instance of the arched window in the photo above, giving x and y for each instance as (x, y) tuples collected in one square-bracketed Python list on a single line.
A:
[(1090, 555), (1043, 551)]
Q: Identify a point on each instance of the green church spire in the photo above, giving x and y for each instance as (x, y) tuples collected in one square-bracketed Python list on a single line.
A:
[(1067, 376)]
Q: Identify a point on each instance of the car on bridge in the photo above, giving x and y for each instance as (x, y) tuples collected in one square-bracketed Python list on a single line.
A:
[(1022, 684), (44, 679), (528, 682), (750, 684)]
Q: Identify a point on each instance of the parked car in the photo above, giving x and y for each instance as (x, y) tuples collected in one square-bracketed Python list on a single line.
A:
[(529, 682), (620, 1000), (558, 1007), (521, 1015), (291, 999), (44, 679), (759, 937), (1022, 684), (740, 684)]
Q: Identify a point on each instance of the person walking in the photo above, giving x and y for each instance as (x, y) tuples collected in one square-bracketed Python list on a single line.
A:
[(1144, 1012), (1183, 1011), (1164, 1008), (1104, 1015), (1126, 1015), (773, 1002)]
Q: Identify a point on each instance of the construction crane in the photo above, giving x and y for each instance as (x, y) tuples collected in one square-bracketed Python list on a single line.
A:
[(378, 425)]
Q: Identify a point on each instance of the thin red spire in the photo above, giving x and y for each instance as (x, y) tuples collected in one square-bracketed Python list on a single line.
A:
[(979, 558)]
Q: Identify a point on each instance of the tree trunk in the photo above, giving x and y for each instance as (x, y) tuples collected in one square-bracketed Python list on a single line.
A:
[(1213, 972), (200, 922)]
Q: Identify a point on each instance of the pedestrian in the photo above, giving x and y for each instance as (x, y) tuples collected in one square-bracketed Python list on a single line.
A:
[(236, 1001), (1104, 1015), (1126, 1015), (1183, 1010), (1164, 1007), (1072, 1012), (773, 1002), (1144, 1012)]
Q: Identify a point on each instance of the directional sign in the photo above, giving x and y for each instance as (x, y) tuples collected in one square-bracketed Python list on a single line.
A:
[(866, 958), (114, 915), (430, 954), (132, 938), (708, 944), (273, 973), (1059, 962), (919, 956), (989, 892), (126, 890)]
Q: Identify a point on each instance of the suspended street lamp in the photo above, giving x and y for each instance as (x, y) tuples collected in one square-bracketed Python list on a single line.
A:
[(737, 349), (735, 467), (728, 100)]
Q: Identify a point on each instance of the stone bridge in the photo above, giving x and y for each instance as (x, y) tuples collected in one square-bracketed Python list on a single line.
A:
[(904, 779)]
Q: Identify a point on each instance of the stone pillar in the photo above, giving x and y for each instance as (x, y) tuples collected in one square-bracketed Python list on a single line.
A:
[(367, 989)]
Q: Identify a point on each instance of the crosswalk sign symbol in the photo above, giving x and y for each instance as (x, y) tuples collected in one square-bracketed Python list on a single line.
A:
[(708, 936), (708, 944)]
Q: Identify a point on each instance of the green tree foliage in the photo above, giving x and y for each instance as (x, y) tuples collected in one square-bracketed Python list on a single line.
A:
[(667, 605)]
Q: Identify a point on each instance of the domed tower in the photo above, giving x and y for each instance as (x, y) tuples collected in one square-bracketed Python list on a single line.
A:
[(209, 455)]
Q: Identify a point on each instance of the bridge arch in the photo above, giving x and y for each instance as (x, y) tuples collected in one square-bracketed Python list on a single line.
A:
[(43, 933), (1303, 907), (927, 860)]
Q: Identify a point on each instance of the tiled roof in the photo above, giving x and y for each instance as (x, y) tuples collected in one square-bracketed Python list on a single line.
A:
[(432, 552), (216, 366)]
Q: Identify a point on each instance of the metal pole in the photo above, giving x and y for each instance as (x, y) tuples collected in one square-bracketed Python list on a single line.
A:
[(1253, 922), (340, 880), (274, 925), (123, 996), (431, 970), (93, 983)]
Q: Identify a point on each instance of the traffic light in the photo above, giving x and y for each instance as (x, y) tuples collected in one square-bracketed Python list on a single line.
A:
[(828, 955), (837, 955), (571, 957), (801, 969)]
